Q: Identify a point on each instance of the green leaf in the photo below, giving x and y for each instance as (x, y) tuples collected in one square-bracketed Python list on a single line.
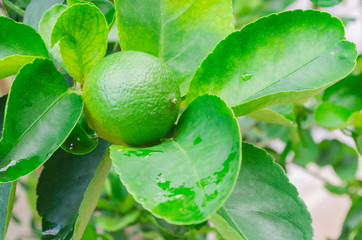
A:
[(331, 116), (82, 32), (340, 156), (40, 114), (19, 45), (339, 190), (358, 141), (353, 219), (7, 190), (66, 185), (117, 223), (187, 178), (7, 197), (280, 114), (305, 149), (326, 3), (264, 204), (46, 26), (181, 33), (248, 11), (82, 139), (114, 188), (271, 61), (35, 10), (106, 7), (90, 232), (342, 103)]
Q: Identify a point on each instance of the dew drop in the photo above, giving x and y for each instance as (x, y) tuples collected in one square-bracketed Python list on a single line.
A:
[(246, 76)]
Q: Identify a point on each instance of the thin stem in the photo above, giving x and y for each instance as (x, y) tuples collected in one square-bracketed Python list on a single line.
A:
[(3, 11), (318, 176), (13, 7)]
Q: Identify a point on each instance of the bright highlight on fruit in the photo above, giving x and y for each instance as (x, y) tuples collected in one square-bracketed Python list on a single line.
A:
[(131, 98)]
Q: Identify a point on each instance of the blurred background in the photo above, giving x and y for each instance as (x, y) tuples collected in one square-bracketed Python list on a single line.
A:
[(314, 157)]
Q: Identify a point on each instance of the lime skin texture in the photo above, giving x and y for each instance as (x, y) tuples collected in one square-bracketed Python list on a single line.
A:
[(131, 98)]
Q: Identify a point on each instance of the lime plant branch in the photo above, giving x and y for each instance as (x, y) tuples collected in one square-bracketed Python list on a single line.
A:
[(14, 7)]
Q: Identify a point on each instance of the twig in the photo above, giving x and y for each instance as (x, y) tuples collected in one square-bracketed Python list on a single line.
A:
[(13, 7)]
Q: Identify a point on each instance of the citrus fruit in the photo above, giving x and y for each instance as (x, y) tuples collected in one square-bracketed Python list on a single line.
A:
[(131, 98)]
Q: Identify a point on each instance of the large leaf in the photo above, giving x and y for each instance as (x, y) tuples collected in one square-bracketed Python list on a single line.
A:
[(46, 25), (19, 45), (181, 33), (82, 31), (67, 183), (7, 197), (264, 204), (272, 61), (187, 178), (35, 10), (40, 114)]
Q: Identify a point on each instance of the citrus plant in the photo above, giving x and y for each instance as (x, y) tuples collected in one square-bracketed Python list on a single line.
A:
[(118, 121)]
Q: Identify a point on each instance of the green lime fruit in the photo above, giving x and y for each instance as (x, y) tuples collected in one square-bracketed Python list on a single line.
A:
[(131, 98)]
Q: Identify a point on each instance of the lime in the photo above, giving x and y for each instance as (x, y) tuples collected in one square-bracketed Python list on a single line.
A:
[(131, 98)]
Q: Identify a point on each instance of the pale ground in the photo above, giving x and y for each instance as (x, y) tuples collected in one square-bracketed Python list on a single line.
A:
[(327, 210)]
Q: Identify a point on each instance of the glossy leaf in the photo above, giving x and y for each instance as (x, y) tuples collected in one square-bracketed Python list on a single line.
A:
[(326, 3), (264, 204), (66, 183), (271, 61), (181, 33), (35, 10), (41, 112), (82, 139), (187, 178), (46, 25), (7, 197), (342, 103), (19, 45), (281, 114), (82, 34), (340, 156)]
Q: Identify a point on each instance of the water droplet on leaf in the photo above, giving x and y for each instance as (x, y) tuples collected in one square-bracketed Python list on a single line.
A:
[(246, 76)]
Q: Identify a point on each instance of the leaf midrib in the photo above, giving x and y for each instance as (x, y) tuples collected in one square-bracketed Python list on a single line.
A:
[(291, 73), (35, 122), (180, 148)]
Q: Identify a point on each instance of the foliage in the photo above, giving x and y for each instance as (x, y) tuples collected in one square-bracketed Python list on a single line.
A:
[(262, 82)]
